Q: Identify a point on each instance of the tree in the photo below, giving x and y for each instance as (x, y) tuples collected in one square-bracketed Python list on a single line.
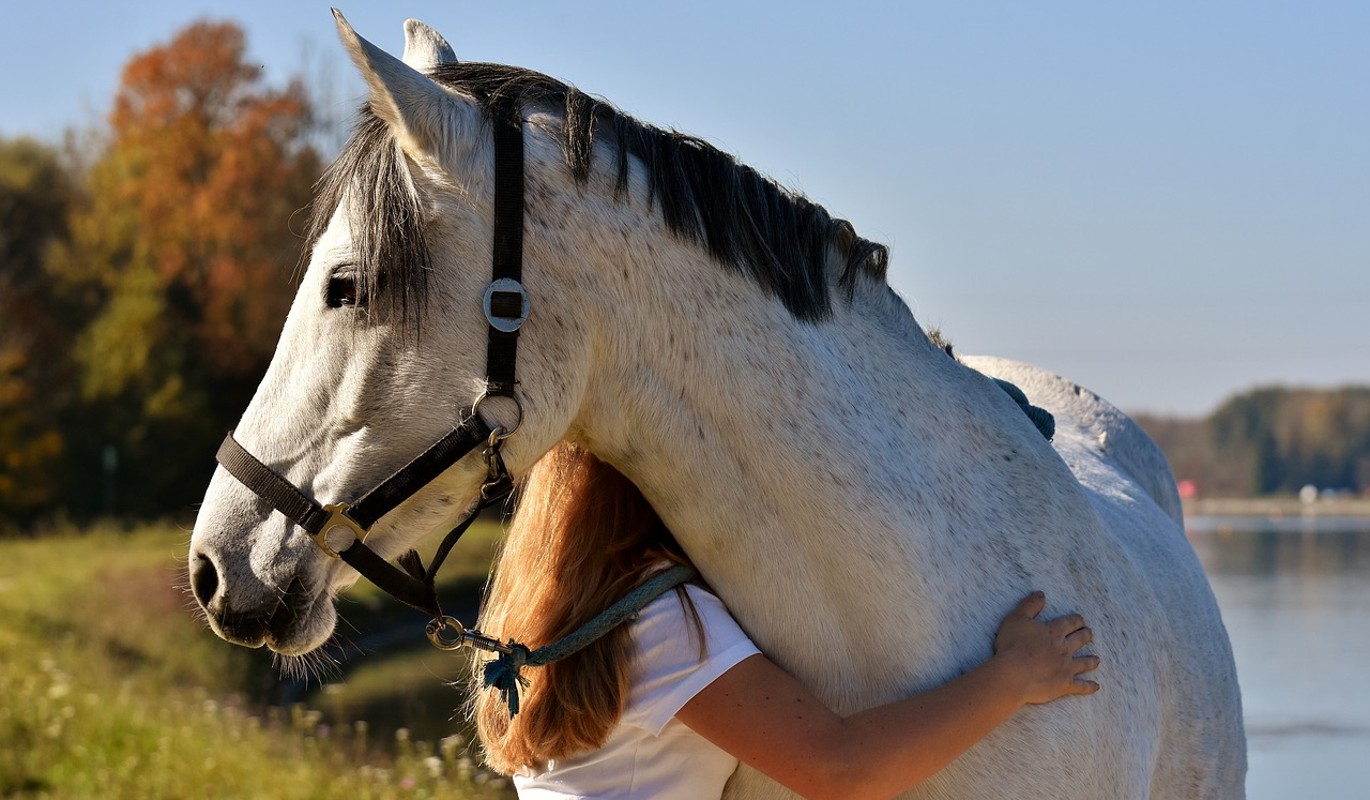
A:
[(35, 195), (182, 254), (1273, 440)]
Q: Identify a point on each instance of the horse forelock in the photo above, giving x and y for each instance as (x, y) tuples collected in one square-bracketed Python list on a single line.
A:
[(745, 221), (390, 257)]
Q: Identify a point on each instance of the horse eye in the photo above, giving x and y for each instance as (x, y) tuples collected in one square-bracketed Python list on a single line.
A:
[(342, 291)]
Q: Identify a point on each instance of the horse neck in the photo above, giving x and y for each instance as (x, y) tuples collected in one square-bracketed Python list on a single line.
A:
[(763, 441)]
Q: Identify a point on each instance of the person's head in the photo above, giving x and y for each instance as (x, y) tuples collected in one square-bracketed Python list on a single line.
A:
[(582, 537)]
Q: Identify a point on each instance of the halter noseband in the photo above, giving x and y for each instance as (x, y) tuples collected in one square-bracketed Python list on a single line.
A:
[(340, 528)]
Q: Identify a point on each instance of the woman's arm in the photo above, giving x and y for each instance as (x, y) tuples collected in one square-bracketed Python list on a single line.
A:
[(761, 714)]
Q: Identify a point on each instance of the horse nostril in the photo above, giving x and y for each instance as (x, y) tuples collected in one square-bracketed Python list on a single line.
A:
[(204, 580)]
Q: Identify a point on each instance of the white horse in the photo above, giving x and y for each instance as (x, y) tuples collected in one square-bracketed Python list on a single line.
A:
[(867, 506)]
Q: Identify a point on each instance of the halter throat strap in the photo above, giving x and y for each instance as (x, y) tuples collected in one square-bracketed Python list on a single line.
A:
[(340, 528)]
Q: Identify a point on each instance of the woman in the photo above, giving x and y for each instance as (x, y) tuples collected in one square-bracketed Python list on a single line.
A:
[(666, 705)]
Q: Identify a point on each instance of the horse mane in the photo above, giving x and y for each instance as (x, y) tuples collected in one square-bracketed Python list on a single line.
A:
[(746, 221)]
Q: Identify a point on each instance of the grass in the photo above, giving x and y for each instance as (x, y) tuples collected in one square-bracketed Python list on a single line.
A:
[(113, 689)]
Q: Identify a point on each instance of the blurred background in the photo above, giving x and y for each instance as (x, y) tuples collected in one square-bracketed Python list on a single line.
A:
[(1165, 203)]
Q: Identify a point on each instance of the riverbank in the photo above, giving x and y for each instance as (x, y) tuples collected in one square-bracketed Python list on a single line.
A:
[(1277, 507)]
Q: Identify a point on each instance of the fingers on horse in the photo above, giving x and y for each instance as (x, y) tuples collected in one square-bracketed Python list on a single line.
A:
[(1031, 605), (1079, 666), (1083, 664), (1067, 625), (1074, 641)]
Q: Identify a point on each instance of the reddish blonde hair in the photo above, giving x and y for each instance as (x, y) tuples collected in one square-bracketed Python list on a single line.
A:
[(582, 537)]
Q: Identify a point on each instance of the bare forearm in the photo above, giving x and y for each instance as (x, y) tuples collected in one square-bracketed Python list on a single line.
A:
[(765, 717), (887, 749)]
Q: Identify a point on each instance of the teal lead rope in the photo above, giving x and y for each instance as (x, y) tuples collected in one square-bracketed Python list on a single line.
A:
[(1040, 417), (505, 671)]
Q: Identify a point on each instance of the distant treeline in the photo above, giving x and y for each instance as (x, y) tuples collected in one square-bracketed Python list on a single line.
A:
[(145, 270), (1272, 440)]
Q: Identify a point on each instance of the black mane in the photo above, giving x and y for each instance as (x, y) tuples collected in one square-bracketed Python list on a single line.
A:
[(746, 221)]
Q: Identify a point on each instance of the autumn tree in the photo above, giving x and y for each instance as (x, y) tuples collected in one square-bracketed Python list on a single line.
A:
[(182, 256)]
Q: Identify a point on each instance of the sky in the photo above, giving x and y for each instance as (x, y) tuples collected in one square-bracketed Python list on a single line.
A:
[(1168, 202)]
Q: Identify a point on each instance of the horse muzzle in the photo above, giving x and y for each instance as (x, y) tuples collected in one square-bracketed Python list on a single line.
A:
[(288, 619)]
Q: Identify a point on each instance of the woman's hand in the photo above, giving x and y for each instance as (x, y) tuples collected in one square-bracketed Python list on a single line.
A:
[(1043, 655)]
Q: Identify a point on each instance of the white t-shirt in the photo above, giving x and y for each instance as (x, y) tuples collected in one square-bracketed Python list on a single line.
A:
[(651, 755)]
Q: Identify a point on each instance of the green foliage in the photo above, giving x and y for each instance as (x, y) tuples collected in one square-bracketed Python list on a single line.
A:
[(35, 195), (1273, 440), (113, 690)]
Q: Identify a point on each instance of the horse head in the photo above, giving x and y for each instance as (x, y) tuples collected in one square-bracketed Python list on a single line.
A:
[(383, 348)]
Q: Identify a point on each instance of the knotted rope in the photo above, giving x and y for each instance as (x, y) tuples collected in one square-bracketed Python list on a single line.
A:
[(504, 672), (1045, 422)]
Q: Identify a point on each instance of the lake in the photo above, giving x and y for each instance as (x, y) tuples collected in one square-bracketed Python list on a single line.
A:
[(1295, 595)]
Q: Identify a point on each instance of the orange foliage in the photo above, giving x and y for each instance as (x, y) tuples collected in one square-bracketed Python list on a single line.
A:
[(211, 166)]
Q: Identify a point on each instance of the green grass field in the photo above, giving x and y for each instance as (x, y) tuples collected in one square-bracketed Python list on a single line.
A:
[(113, 688)]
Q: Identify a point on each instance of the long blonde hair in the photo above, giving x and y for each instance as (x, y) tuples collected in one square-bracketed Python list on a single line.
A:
[(582, 537)]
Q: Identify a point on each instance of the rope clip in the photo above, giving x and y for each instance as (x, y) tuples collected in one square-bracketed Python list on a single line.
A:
[(462, 636)]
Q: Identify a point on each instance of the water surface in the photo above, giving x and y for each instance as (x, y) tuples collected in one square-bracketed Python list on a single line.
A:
[(1295, 595)]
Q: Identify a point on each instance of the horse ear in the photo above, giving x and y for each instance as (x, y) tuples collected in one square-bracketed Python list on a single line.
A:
[(424, 48), (418, 110)]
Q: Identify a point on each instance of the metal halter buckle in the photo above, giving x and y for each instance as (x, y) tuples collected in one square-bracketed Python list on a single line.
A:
[(338, 522), (503, 292)]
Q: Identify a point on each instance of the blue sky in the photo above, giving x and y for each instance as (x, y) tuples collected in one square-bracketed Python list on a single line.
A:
[(1168, 202)]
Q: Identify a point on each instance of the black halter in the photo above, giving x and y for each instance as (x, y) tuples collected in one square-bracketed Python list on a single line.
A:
[(340, 528)]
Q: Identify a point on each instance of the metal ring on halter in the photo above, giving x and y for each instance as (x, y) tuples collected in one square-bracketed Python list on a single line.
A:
[(435, 629), (518, 420)]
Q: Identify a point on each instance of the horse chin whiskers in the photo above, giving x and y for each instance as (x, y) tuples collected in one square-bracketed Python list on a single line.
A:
[(301, 623), (317, 664)]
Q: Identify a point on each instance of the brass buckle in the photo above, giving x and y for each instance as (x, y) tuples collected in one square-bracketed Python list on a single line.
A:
[(346, 531)]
